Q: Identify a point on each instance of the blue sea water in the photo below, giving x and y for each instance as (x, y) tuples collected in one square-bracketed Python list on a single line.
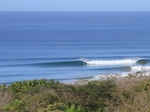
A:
[(66, 46)]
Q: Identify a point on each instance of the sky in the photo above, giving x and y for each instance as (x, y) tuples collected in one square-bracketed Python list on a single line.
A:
[(74, 5)]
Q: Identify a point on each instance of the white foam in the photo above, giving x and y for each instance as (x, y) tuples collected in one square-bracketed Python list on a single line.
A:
[(111, 62), (97, 77), (118, 76), (105, 76), (134, 68)]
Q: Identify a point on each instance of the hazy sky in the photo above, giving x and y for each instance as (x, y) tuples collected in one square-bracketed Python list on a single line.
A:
[(74, 5)]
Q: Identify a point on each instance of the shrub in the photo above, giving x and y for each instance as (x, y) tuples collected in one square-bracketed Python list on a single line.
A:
[(74, 108), (123, 95), (5, 97), (2, 87), (19, 86), (56, 107), (15, 106)]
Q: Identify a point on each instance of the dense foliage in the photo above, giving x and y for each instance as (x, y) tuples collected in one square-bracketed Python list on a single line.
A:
[(120, 95)]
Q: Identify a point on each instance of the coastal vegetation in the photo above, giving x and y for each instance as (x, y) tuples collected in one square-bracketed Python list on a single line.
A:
[(114, 94)]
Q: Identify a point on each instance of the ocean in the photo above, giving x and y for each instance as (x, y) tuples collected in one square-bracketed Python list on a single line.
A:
[(68, 46)]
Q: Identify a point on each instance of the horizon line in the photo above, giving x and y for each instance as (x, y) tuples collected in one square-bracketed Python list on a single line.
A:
[(72, 11)]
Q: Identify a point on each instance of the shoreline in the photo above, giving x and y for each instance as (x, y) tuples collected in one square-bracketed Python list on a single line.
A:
[(117, 93), (102, 77), (129, 75)]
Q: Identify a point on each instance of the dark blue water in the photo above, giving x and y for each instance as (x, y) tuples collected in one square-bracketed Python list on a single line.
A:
[(72, 45)]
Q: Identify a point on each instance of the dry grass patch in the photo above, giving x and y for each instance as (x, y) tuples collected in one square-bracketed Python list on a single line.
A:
[(5, 97)]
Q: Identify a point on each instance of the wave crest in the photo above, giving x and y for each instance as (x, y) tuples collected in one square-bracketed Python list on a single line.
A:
[(111, 62)]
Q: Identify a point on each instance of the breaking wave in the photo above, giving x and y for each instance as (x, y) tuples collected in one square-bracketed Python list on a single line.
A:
[(85, 62), (111, 62)]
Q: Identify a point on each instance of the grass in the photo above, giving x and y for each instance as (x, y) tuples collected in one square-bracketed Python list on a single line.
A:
[(114, 94)]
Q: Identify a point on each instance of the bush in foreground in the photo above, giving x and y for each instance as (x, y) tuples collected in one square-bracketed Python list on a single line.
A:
[(113, 95)]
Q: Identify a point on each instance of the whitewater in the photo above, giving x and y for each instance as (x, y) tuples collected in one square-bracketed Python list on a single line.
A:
[(67, 46), (112, 62)]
